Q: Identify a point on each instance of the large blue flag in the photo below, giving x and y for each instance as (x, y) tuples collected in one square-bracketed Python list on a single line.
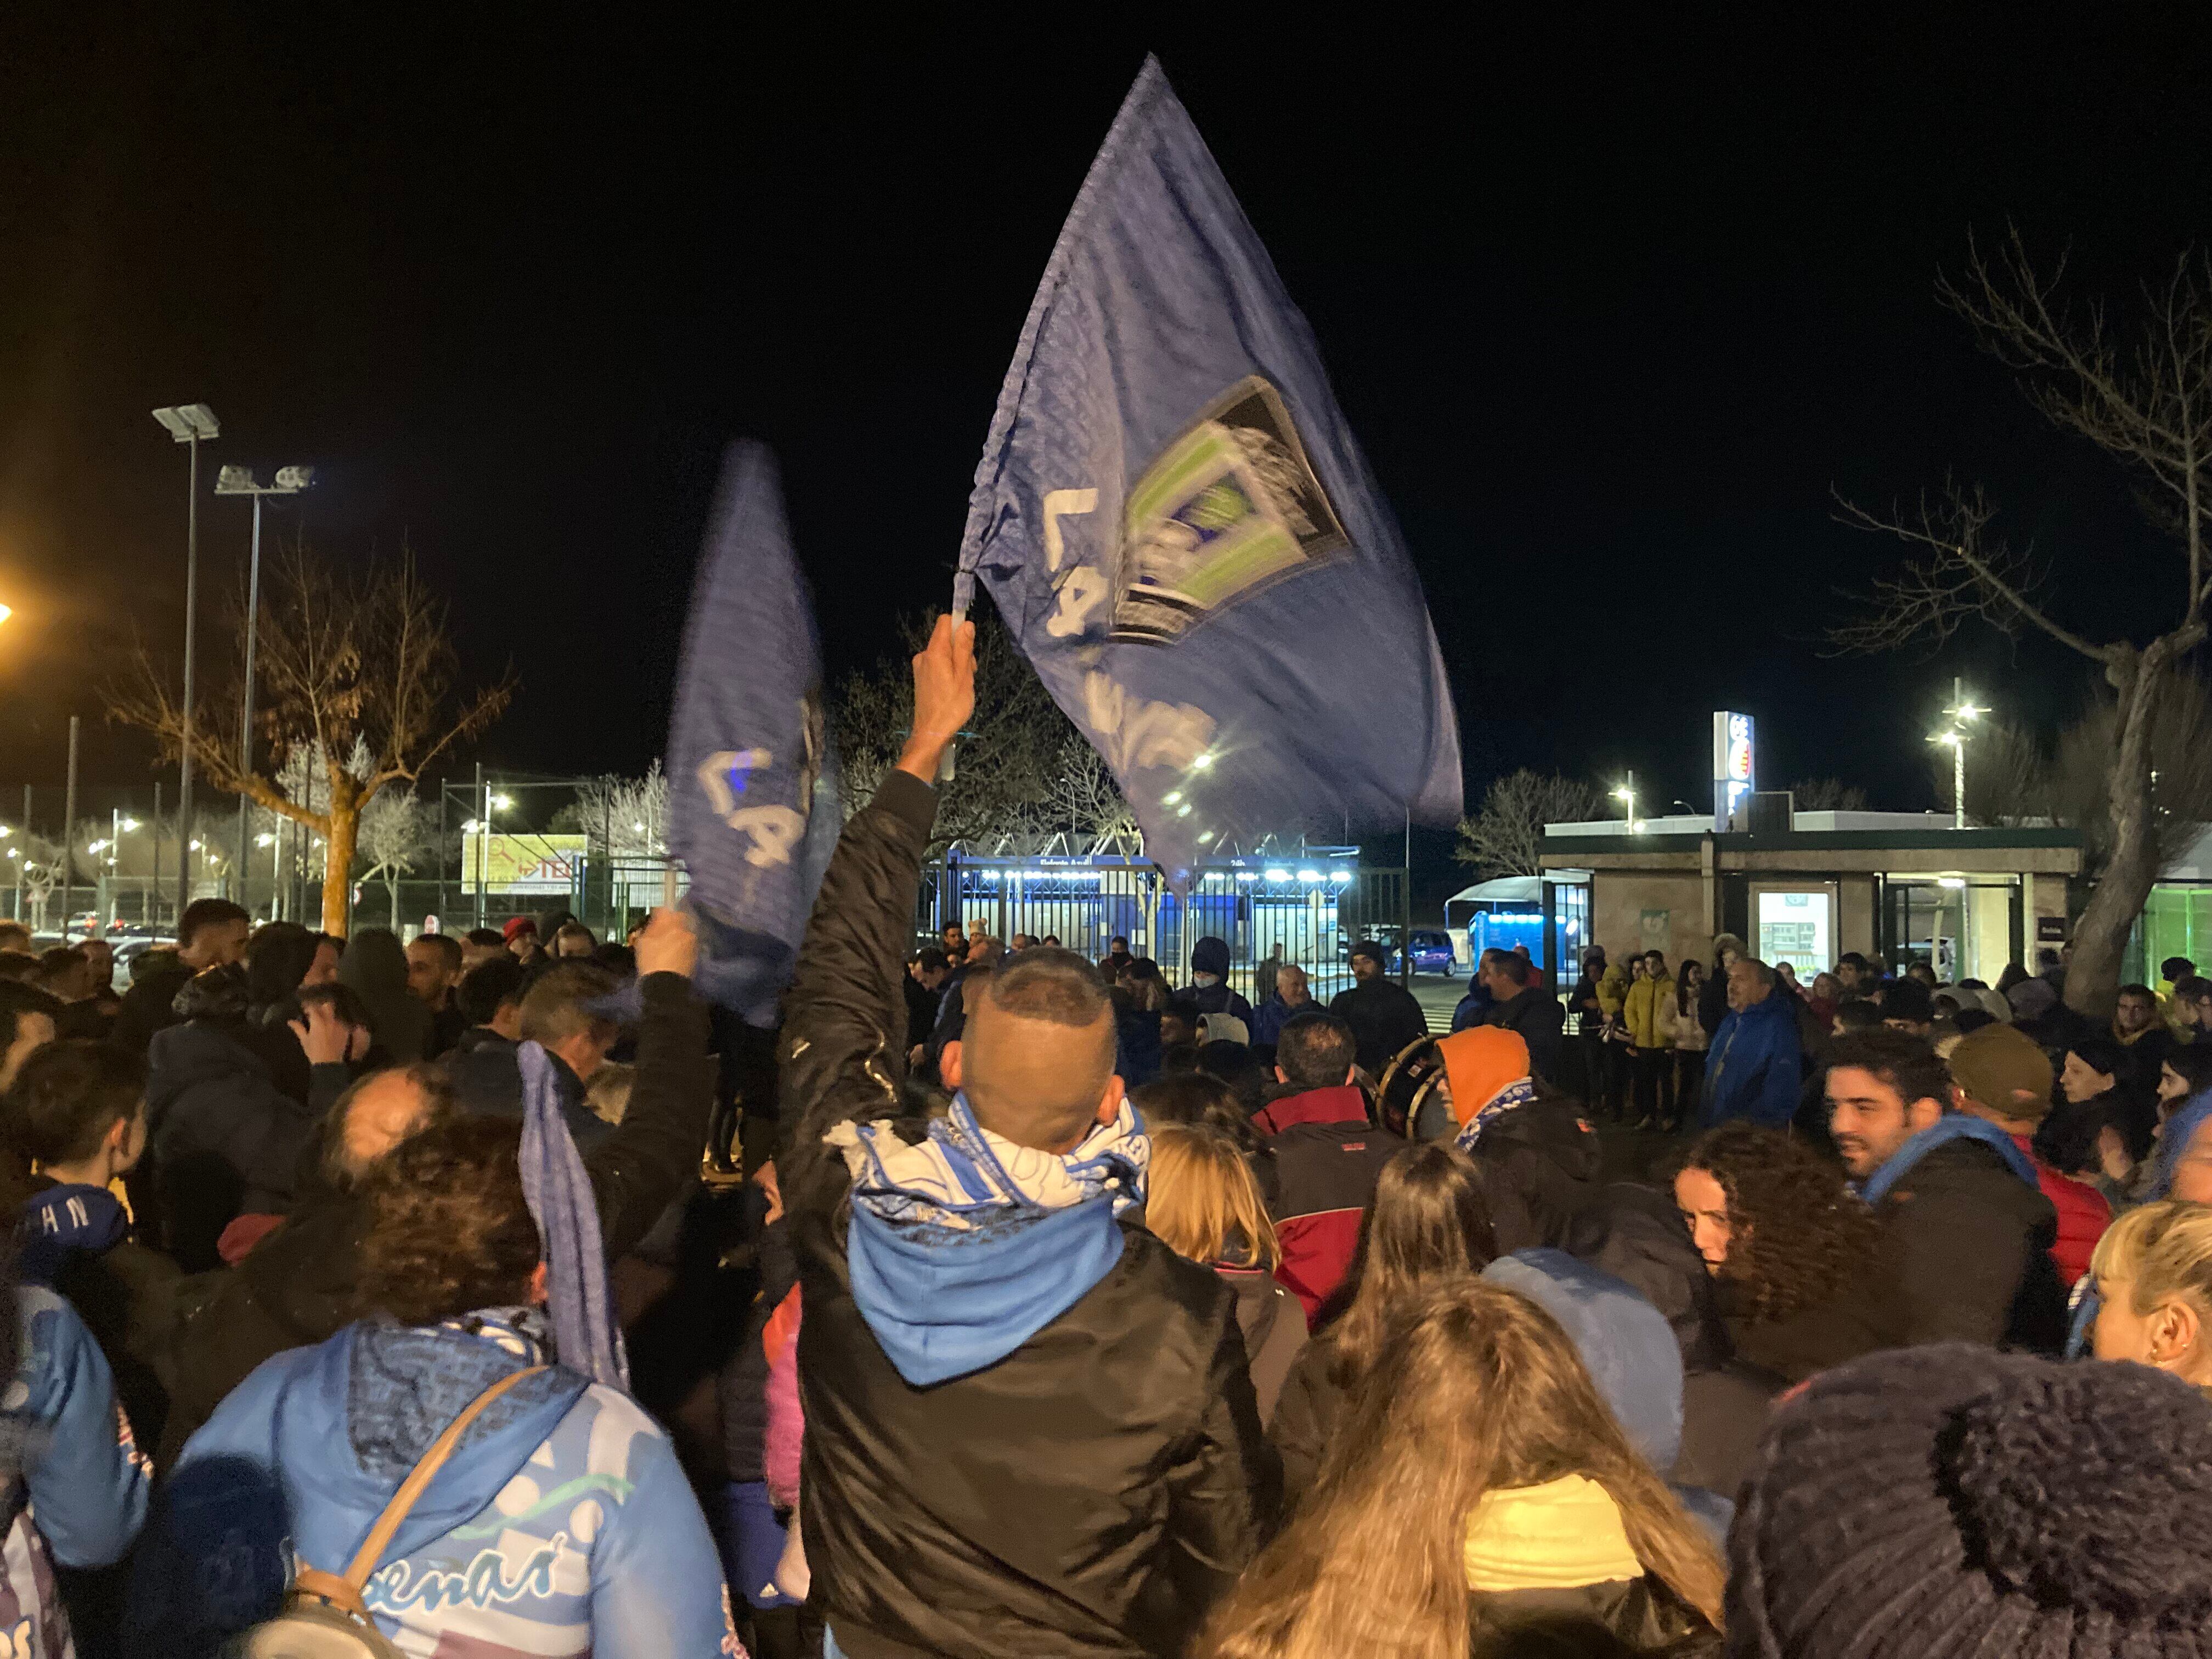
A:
[(1176, 523), (752, 790)]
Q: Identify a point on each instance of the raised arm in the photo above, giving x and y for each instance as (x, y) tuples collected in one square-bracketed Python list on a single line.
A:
[(842, 1050)]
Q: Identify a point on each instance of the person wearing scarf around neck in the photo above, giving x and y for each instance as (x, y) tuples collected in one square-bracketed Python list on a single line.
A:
[(1030, 1426), (1540, 1158)]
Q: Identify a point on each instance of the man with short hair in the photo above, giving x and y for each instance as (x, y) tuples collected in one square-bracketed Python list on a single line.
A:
[(434, 964), (479, 945), (1292, 996), (1651, 1040), (2192, 1016), (1967, 1219), (2144, 1040), (1031, 1426), (211, 933), (2003, 1078), (574, 942), (1753, 1069), (1322, 1154), (1117, 958), (925, 973), (298, 1284), (563, 1012), (1520, 1004), (14, 936), (489, 998), (1853, 974), (1382, 1013)]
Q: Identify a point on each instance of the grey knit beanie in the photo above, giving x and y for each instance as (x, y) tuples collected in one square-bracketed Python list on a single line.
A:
[(1953, 1500)]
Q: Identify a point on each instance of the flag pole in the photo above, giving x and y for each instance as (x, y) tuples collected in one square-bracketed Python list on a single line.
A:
[(944, 768)]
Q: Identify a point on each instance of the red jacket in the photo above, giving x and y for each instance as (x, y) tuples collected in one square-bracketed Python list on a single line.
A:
[(2084, 1215), (1322, 1158)]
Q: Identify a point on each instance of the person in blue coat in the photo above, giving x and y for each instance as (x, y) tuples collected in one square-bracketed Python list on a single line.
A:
[(74, 1481), (1755, 1068), (562, 1524)]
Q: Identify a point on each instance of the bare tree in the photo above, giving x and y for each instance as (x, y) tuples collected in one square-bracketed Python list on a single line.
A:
[(1826, 795), (1504, 834), (1005, 766), (363, 658), (2147, 403), (398, 830), (629, 816), (1082, 801)]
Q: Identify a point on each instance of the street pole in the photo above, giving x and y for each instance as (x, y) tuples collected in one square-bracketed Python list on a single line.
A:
[(482, 830), (69, 830), (245, 718), (154, 915), (184, 749), (1958, 761), (23, 853)]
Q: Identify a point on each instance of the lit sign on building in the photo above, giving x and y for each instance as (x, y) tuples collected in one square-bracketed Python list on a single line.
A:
[(1733, 775)]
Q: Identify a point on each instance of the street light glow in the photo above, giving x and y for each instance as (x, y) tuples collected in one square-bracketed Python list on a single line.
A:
[(500, 803)]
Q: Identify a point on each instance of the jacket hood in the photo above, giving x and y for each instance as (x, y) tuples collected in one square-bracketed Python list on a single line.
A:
[(941, 1307), (1627, 1343), (218, 992), (362, 1408), (1950, 1128), (199, 1051), (64, 1219)]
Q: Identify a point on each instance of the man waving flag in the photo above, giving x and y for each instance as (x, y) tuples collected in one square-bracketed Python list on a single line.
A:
[(1176, 522), (752, 790)]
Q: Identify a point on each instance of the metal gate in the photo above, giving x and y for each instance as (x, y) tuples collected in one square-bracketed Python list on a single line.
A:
[(1309, 911)]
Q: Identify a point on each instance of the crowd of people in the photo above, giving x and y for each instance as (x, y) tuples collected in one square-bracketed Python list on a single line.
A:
[(393, 1291)]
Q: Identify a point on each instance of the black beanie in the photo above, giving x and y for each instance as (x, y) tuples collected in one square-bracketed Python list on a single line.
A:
[(1953, 1500), (1210, 956)]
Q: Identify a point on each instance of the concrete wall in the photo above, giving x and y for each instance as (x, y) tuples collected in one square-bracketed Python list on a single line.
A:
[(1620, 900), (1855, 917)]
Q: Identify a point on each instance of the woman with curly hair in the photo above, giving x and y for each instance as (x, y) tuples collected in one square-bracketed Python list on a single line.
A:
[(1803, 1272)]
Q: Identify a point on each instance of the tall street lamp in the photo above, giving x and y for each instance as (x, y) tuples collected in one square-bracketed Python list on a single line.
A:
[(188, 423), (239, 481), (1955, 736), (1626, 795)]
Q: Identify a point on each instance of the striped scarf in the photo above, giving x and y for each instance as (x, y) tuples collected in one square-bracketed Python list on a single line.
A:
[(1519, 1092)]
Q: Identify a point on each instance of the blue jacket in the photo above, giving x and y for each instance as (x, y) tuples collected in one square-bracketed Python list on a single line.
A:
[(77, 1483), (1754, 1070), (562, 1525), (1270, 1016)]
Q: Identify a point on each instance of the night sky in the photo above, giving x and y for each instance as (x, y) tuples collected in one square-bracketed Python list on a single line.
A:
[(1612, 310)]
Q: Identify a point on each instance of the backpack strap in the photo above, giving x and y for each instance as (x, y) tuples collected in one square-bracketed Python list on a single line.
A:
[(344, 1591)]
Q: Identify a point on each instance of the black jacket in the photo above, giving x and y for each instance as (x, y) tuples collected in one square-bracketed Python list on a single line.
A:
[(1541, 1166), (1534, 1014), (297, 1286), (487, 1079), (224, 1140), (1384, 1017), (1970, 1243), (1866, 1316), (1621, 1619), (1091, 1493), (150, 1005), (1712, 1000)]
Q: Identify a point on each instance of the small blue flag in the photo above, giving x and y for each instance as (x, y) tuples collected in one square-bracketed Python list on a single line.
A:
[(1178, 527), (752, 786)]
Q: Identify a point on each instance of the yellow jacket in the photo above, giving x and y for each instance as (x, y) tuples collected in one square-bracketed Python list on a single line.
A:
[(1646, 1012), (1613, 989)]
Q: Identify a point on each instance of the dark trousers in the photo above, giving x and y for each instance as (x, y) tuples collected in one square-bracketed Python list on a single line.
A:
[(1655, 1082), (1689, 1084)]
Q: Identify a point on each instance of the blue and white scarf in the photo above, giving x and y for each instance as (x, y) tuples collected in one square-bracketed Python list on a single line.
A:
[(963, 1246), (1519, 1092), (558, 1190)]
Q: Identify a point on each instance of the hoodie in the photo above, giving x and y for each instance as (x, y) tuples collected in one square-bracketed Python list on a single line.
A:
[(562, 1524)]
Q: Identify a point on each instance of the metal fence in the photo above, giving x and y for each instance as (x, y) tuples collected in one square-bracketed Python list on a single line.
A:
[(1309, 911)]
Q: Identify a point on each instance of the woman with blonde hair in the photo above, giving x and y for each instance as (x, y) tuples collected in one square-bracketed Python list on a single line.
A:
[(2154, 1274), (1204, 1203), (1481, 1502), (1428, 1221)]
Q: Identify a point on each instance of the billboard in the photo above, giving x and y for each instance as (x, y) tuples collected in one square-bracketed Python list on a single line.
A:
[(1735, 776), (504, 863)]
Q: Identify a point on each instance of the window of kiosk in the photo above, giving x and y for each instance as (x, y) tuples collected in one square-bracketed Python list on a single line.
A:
[(1796, 926), (1961, 928)]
